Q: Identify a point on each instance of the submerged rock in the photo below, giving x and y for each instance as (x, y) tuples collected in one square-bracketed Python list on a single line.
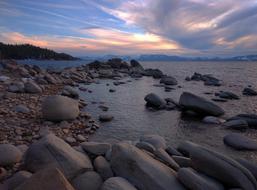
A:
[(238, 124), (199, 105), (240, 142), (52, 151), (105, 117), (251, 119), (141, 169), (59, 108), (249, 92), (212, 120), (168, 80)]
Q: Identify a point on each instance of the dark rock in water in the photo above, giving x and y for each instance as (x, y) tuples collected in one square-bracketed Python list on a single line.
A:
[(117, 183), (224, 169), (208, 80), (187, 79), (117, 63), (142, 170), (155, 73), (240, 142), (199, 105), (251, 119), (219, 100), (135, 63), (228, 95), (70, 92), (21, 109), (136, 69), (192, 180), (155, 101), (168, 80), (252, 167), (105, 118), (238, 124), (112, 90), (155, 140), (249, 92)]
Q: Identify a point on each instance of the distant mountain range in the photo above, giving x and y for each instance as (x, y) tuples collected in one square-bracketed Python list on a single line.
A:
[(163, 57), (26, 51)]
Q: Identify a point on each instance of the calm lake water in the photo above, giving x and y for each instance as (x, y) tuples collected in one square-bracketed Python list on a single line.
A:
[(132, 119)]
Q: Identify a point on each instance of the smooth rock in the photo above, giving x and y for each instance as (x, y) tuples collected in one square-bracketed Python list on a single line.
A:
[(199, 105), (212, 120), (16, 87), (145, 146), (173, 152), (194, 181), (51, 151), (46, 179), (251, 119), (88, 181), (32, 87), (155, 140), (168, 80), (141, 169), (21, 109), (240, 142), (96, 148), (166, 158), (252, 167), (228, 95), (238, 124), (249, 92), (105, 118), (18, 179), (152, 100), (182, 161), (103, 167), (117, 183), (10, 155), (59, 108)]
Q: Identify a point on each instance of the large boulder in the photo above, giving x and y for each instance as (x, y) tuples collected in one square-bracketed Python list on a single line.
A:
[(155, 73), (46, 179), (152, 100), (51, 151), (240, 142), (141, 169), (224, 169), (168, 80), (117, 183), (17, 179), (10, 155), (59, 108), (136, 67), (103, 167), (189, 101), (89, 180)]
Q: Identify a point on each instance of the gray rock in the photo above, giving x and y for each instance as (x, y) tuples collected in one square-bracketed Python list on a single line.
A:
[(105, 117), (199, 105), (70, 92), (32, 87), (240, 142), (17, 179), (212, 120), (228, 95), (168, 80), (236, 124), (117, 183), (16, 87), (182, 161), (21, 109), (194, 181), (166, 158), (145, 146), (251, 119), (103, 167), (224, 169), (249, 92), (173, 152), (4, 78), (51, 151), (141, 169), (88, 181), (96, 148), (155, 140), (152, 100), (10, 155), (59, 108), (252, 167)]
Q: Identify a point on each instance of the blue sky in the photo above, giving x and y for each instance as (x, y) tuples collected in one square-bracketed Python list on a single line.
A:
[(99, 27)]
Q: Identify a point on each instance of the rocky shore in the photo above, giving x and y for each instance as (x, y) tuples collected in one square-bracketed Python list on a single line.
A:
[(44, 134)]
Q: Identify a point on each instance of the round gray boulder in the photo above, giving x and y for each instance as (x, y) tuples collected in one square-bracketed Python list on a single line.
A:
[(10, 155)]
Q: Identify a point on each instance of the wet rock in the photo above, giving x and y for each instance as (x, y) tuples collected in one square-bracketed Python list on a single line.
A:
[(103, 167), (18, 179), (103, 108), (228, 95), (240, 142), (168, 80), (117, 183), (219, 100), (53, 151), (166, 158), (96, 148), (152, 100), (70, 140), (155, 73), (105, 118), (21, 109), (141, 169), (182, 161), (173, 152), (213, 120), (145, 146), (194, 181), (238, 124), (249, 92), (155, 140), (46, 179), (112, 90), (199, 105), (32, 87), (10, 155), (88, 181), (252, 167), (224, 169), (59, 108)]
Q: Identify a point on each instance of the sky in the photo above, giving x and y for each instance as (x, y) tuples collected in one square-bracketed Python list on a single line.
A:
[(133, 27)]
